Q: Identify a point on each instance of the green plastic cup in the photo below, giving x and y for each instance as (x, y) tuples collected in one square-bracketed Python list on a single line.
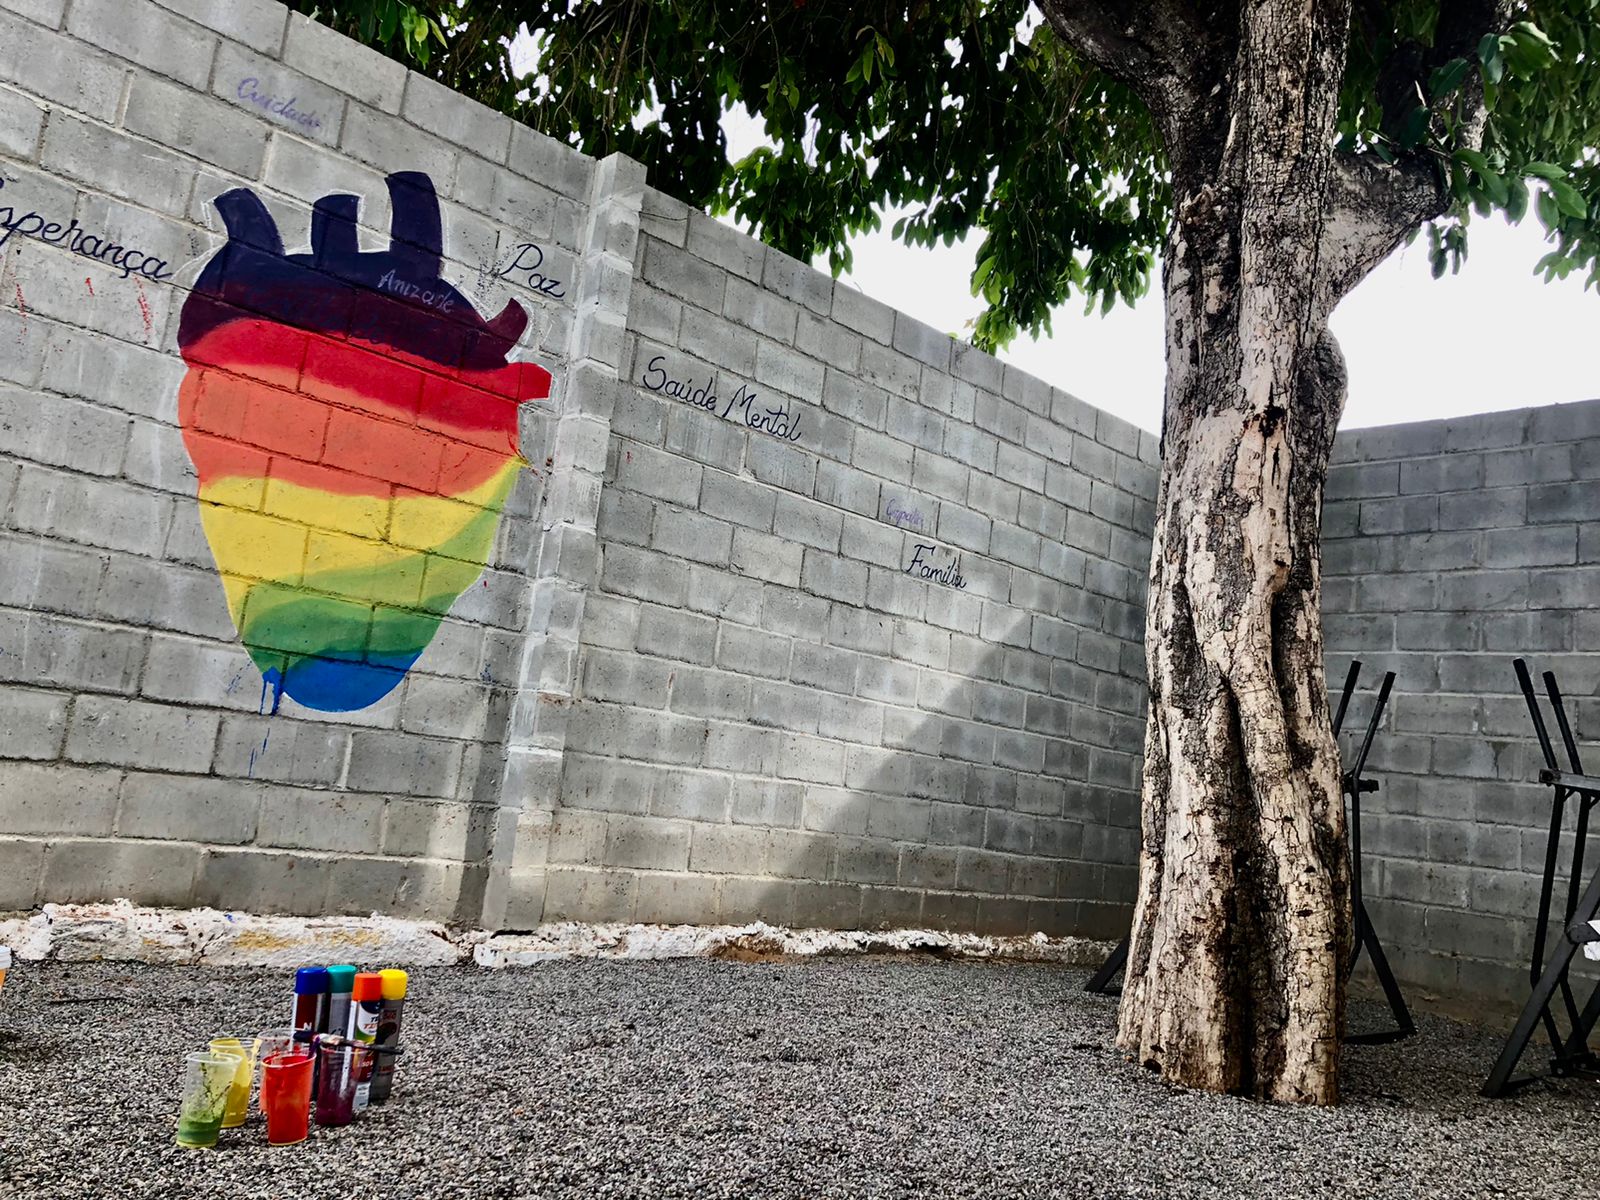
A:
[(208, 1077)]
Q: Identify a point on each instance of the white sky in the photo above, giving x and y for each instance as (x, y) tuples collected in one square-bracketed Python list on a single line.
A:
[(1495, 336)]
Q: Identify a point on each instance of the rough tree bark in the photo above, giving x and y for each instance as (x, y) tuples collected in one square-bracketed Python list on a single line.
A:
[(1242, 928), (1242, 919)]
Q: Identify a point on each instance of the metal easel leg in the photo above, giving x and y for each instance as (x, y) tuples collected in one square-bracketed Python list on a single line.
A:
[(1367, 938), (1553, 976), (1576, 1050), (1366, 935), (1101, 982)]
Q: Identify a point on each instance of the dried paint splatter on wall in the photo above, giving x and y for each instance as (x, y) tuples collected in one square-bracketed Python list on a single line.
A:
[(353, 421)]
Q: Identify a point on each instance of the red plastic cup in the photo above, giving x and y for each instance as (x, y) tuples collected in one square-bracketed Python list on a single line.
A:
[(286, 1096)]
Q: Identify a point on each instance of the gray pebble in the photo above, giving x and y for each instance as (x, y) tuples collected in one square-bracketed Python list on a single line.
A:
[(863, 1077)]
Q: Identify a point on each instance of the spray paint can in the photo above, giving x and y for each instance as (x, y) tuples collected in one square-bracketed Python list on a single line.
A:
[(394, 1000), (310, 1005), (366, 1004), (340, 980), (336, 1013), (310, 999)]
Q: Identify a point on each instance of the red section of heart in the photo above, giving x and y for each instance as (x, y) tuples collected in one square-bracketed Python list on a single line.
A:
[(341, 414)]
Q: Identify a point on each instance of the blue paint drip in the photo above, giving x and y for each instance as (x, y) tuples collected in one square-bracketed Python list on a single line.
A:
[(334, 684), (272, 679), (250, 771)]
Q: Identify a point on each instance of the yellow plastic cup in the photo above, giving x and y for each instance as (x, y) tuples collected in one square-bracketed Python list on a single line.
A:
[(244, 1049)]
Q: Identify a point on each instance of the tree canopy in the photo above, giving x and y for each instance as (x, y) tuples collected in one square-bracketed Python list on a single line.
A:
[(974, 115)]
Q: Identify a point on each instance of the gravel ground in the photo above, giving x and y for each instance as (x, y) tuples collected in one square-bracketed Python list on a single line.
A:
[(843, 1077)]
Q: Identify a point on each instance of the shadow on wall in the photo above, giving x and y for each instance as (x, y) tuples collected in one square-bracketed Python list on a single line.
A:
[(1030, 845), (957, 825)]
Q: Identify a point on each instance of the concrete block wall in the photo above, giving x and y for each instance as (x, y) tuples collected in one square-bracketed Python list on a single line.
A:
[(804, 611), (1451, 548), (865, 646), (863, 651), (140, 753)]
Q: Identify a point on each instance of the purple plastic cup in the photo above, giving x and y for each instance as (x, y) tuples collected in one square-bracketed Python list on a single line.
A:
[(338, 1070)]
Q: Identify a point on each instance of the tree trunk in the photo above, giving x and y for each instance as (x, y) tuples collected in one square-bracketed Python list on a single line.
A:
[(1235, 979)]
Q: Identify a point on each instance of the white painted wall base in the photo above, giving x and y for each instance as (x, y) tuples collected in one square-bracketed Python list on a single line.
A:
[(125, 932)]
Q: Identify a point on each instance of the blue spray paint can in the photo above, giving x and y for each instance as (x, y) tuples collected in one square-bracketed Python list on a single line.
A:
[(310, 1003)]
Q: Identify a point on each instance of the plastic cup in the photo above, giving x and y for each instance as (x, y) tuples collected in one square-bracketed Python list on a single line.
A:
[(339, 1067), (239, 1093), (207, 1081), (286, 1096), (278, 1041)]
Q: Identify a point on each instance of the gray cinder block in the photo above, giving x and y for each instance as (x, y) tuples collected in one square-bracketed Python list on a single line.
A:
[(150, 36)]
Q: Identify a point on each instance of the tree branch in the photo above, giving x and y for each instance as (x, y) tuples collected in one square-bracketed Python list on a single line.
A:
[(1372, 208), (1158, 48)]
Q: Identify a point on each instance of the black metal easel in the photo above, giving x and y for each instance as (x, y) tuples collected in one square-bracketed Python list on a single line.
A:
[(1353, 783), (1571, 1053)]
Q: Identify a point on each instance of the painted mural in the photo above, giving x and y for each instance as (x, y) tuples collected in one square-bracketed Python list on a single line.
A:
[(353, 421)]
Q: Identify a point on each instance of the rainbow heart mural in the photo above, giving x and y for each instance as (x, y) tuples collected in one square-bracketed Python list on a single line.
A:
[(353, 421)]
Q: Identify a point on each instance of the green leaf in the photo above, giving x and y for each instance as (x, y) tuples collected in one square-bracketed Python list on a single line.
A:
[(1446, 79), (1543, 170), (1549, 215), (1516, 203), (981, 274), (1568, 199), (1413, 128), (1526, 32)]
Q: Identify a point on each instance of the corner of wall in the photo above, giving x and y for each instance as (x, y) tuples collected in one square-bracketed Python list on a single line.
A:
[(565, 562)]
